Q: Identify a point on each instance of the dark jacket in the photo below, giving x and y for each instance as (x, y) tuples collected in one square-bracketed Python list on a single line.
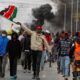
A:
[(14, 47), (71, 54), (64, 47), (26, 42), (72, 50)]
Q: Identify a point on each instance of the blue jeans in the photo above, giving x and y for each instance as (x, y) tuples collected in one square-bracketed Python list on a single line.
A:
[(43, 59), (65, 66)]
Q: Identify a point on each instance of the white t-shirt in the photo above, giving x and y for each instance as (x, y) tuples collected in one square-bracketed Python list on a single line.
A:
[(20, 37)]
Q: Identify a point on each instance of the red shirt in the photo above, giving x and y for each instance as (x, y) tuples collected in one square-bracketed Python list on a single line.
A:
[(48, 38)]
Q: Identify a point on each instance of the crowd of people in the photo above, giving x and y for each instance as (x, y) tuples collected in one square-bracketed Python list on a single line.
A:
[(35, 48), (29, 47), (67, 48)]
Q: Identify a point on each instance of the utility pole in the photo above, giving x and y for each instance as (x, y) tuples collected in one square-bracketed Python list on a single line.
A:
[(65, 17), (72, 3), (77, 19)]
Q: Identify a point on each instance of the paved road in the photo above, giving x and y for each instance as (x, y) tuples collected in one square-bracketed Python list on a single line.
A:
[(47, 74)]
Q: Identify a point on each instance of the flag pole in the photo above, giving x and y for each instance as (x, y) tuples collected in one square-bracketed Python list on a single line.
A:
[(8, 19)]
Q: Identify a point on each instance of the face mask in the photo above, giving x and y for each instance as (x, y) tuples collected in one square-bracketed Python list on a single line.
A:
[(3, 35)]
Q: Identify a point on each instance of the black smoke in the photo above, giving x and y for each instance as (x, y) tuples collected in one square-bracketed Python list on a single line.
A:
[(59, 17), (42, 13)]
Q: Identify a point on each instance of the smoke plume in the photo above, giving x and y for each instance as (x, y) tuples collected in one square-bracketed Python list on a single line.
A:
[(42, 13)]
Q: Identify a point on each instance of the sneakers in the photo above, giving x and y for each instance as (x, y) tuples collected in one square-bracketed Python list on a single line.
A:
[(25, 70), (34, 77), (37, 78), (29, 71), (2, 75), (74, 79), (13, 77), (58, 71), (66, 78)]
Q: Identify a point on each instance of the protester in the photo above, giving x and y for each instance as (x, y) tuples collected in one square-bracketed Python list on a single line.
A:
[(65, 45), (14, 51), (75, 58), (27, 52), (37, 42), (3, 53), (44, 58), (56, 50), (56, 44), (49, 40), (75, 37), (48, 36)]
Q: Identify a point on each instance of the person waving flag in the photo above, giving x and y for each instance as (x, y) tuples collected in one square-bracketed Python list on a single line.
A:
[(10, 12)]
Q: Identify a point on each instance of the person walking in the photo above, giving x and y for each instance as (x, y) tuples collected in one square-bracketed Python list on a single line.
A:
[(27, 52), (49, 40), (37, 42), (75, 58), (14, 51), (65, 45), (3, 53)]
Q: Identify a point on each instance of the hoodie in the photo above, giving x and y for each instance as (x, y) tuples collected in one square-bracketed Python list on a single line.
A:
[(14, 47)]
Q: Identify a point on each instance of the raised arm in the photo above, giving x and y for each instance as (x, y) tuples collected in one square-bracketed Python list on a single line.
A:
[(25, 28)]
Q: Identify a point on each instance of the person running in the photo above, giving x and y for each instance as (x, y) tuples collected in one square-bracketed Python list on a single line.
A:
[(14, 51), (37, 42), (3, 53)]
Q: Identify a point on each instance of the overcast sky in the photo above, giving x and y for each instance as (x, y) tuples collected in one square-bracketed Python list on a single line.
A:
[(23, 0)]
